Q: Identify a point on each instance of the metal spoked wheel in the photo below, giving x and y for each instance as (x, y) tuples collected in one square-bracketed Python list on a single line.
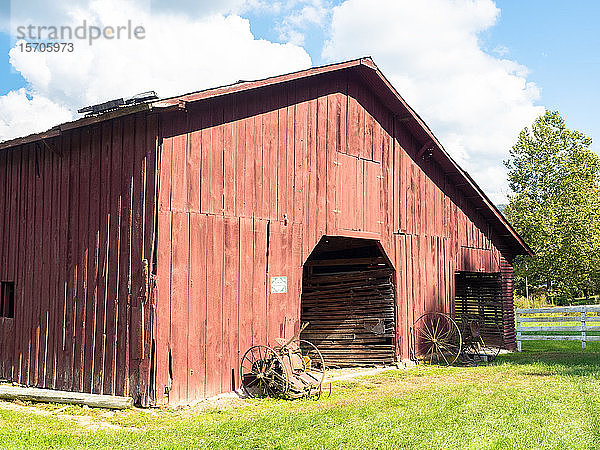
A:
[(313, 367), (436, 339), (263, 373)]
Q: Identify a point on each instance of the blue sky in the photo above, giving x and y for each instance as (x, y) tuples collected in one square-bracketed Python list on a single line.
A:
[(477, 71), (559, 42)]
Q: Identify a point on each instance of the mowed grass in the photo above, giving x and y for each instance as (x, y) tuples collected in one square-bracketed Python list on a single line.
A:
[(548, 396)]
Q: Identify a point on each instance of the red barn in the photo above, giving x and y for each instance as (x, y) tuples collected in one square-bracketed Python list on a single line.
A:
[(142, 250)]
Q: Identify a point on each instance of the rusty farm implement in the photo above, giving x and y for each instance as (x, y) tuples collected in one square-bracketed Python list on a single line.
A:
[(293, 368)]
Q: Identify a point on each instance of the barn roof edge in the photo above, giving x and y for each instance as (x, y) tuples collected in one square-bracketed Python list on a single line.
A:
[(369, 70)]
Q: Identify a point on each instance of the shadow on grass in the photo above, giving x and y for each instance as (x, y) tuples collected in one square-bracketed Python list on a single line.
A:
[(563, 358)]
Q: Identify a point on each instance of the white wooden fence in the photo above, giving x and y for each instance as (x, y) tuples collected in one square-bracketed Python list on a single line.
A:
[(567, 318)]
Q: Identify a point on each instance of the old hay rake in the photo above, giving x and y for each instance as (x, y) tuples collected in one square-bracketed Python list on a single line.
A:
[(436, 338), (293, 368)]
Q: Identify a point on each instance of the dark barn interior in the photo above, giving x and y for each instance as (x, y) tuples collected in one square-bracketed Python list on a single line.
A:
[(348, 299), (478, 297)]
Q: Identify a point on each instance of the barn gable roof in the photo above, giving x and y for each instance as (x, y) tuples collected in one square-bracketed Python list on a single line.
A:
[(370, 74)]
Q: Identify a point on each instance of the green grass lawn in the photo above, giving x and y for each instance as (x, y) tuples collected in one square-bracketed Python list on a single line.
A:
[(548, 396)]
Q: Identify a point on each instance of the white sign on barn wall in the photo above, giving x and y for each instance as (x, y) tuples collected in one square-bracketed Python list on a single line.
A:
[(278, 285)]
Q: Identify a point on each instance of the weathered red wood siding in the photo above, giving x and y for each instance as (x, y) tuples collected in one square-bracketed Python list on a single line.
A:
[(249, 182), (76, 221)]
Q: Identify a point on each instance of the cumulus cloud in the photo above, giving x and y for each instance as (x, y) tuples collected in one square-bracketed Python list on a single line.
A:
[(20, 113), (43, 12), (179, 54), (302, 16), (475, 103)]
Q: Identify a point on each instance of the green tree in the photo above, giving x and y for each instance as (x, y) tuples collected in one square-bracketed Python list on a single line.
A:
[(555, 205)]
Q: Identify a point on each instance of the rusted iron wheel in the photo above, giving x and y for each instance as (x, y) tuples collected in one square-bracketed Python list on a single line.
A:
[(313, 366), (436, 339), (263, 373)]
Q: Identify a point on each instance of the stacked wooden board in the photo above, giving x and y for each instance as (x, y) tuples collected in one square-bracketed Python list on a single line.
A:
[(478, 297), (351, 316)]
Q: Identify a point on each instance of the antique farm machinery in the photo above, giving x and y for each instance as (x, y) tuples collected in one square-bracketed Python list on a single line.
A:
[(292, 368), (436, 338)]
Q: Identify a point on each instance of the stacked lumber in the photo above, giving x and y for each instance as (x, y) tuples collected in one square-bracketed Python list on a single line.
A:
[(351, 315)]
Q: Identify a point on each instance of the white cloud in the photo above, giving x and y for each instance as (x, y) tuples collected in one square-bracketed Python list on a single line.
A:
[(179, 54), (474, 102), (294, 26), (296, 19), (20, 113), (45, 12)]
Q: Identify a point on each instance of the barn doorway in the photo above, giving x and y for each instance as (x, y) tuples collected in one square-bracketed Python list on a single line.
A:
[(478, 298), (348, 299)]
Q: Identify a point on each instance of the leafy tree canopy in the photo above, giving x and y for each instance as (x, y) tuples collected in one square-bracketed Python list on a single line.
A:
[(555, 205)]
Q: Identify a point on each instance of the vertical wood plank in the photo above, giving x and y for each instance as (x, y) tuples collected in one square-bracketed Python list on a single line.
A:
[(300, 152), (252, 152), (368, 106), (138, 286), (125, 243), (241, 195), (205, 114), (356, 120), (4, 217), (197, 306), (216, 152), (246, 268), (260, 171), (80, 175), (194, 162), (179, 191), (103, 254), (61, 282), (373, 193), (401, 319), (230, 304), (259, 318), (147, 375), (321, 162), (163, 307), (180, 248), (54, 304), (310, 198), (283, 169), (114, 250), (22, 300), (4, 189), (270, 147), (214, 311), (12, 347), (229, 157), (42, 307), (332, 149), (92, 272), (380, 120), (291, 152)]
